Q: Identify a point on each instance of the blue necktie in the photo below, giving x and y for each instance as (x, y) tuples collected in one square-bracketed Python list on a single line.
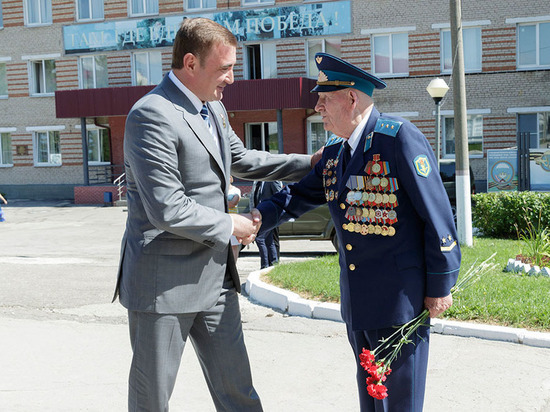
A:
[(205, 117), (346, 155)]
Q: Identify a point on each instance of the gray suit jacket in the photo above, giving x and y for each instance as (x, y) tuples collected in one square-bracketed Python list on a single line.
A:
[(176, 249)]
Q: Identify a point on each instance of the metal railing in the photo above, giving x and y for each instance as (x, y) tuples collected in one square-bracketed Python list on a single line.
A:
[(120, 182), (104, 174)]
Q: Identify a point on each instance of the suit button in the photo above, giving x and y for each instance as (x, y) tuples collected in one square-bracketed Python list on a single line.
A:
[(352, 267), (349, 247), (342, 206)]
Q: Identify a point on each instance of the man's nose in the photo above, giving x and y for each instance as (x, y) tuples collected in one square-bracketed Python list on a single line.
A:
[(230, 78), (318, 106)]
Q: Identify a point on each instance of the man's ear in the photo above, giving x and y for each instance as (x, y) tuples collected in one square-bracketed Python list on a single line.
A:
[(352, 95), (190, 62)]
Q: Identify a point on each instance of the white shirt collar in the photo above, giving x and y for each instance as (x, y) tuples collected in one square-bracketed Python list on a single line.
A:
[(194, 99), (353, 140)]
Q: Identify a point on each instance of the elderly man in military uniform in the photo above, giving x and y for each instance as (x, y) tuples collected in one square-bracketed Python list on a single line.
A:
[(398, 244)]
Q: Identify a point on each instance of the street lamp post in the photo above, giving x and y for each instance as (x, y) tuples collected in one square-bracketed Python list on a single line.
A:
[(437, 89)]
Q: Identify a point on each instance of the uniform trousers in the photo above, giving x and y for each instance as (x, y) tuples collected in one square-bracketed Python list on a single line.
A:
[(267, 247), (158, 341), (407, 381)]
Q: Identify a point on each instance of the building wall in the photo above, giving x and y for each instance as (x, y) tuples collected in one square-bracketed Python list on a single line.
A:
[(496, 89)]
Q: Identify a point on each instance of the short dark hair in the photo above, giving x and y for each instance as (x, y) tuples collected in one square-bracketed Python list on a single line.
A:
[(197, 36)]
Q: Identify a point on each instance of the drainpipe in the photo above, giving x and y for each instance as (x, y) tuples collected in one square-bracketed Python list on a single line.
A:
[(280, 130), (84, 134)]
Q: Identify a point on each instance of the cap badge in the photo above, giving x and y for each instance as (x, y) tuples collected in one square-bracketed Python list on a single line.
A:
[(322, 77), (319, 59)]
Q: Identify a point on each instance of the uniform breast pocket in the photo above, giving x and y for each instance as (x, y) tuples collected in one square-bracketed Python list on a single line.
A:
[(168, 247)]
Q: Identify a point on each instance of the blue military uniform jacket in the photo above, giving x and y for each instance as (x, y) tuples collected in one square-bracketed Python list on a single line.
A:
[(393, 219)]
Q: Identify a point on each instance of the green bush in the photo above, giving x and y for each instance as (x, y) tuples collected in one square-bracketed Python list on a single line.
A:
[(502, 215)]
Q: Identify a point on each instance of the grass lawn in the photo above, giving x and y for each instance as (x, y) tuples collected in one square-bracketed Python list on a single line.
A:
[(498, 298)]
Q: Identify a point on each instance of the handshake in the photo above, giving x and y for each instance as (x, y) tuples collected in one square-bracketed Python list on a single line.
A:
[(246, 226)]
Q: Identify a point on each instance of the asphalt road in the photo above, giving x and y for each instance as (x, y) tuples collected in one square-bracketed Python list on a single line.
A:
[(65, 347)]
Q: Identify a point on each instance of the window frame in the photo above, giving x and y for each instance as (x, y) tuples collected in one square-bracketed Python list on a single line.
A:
[(201, 7), (134, 68), (145, 12), (81, 76), (246, 3), (102, 135), (267, 66), (33, 80), (537, 64), (390, 36), (443, 51), (316, 119), (43, 20), (311, 67), (3, 133), (3, 61), (263, 137), (55, 131), (470, 113), (90, 10)]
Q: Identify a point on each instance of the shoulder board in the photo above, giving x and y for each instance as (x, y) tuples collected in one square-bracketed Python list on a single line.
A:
[(387, 126), (332, 140)]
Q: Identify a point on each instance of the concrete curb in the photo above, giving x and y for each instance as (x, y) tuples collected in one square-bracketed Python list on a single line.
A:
[(291, 303)]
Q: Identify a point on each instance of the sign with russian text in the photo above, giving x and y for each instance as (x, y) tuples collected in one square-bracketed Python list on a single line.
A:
[(303, 20), (502, 168)]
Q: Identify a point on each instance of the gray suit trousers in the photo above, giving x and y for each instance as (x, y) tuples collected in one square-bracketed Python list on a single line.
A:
[(158, 341)]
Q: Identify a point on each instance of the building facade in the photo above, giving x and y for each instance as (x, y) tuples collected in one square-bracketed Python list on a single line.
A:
[(71, 69)]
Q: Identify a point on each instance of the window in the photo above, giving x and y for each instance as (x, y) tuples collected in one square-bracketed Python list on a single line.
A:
[(262, 136), (43, 80), (317, 135), (538, 127), (89, 10), (257, 2), (47, 148), (5, 149), (330, 46), (475, 136), (3, 80), (98, 146), (38, 12), (143, 7), (534, 45), (472, 50), (391, 54), (147, 68), (260, 61), (93, 72), (201, 4)]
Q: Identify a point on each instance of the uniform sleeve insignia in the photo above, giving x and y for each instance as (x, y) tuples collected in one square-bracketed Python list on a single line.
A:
[(332, 140), (422, 165), (387, 127), (447, 243)]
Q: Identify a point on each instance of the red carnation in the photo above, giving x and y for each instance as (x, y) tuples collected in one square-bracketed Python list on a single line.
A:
[(377, 391)]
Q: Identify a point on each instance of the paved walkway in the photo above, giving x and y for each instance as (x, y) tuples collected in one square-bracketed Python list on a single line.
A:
[(65, 347)]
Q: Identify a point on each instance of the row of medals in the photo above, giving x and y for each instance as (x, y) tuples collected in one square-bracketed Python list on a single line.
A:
[(370, 211)]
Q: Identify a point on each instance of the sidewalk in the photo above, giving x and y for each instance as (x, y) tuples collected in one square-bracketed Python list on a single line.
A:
[(65, 347)]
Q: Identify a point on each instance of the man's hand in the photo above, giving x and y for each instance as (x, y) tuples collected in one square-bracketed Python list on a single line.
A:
[(246, 225), (315, 157), (437, 306)]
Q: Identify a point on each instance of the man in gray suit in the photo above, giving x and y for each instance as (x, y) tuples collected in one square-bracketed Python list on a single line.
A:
[(177, 275)]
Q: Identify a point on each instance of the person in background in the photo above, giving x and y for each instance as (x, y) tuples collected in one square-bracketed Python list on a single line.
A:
[(233, 197), (3, 200), (268, 242), (177, 274), (399, 252)]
